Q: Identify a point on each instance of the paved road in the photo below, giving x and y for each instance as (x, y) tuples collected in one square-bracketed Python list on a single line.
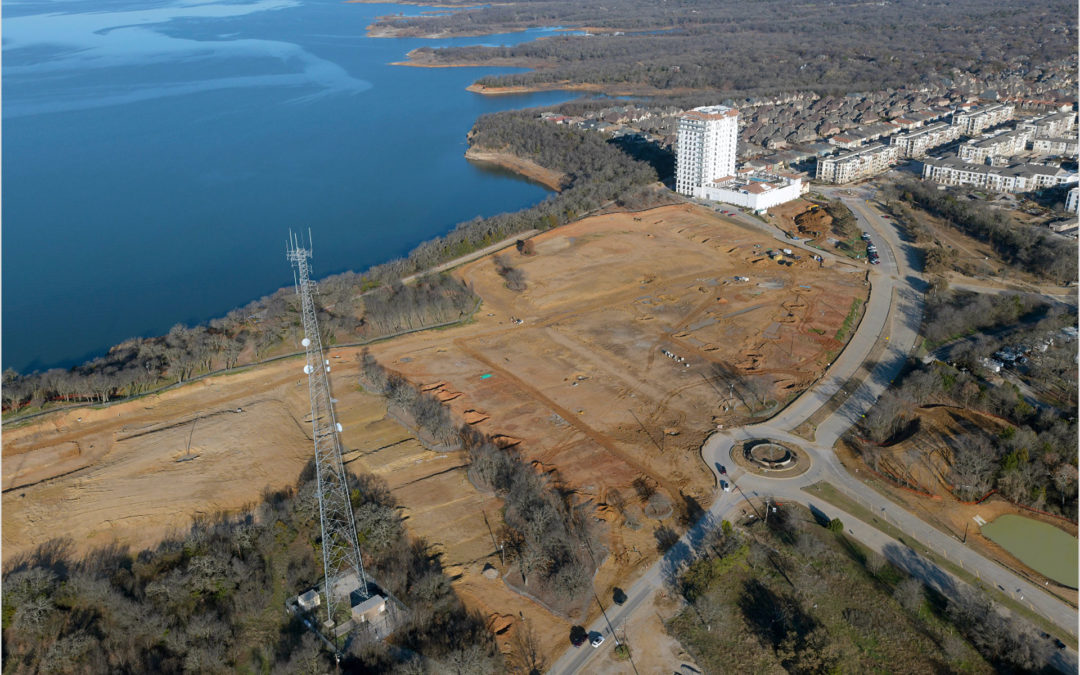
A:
[(896, 304)]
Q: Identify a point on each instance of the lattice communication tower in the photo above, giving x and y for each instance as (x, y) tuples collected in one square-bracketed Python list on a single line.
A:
[(343, 568)]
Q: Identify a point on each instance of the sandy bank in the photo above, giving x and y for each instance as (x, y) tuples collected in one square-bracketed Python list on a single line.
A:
[(566, 85), (556, 180)]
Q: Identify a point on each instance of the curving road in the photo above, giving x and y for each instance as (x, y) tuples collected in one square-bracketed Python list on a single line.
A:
[(893, 314)]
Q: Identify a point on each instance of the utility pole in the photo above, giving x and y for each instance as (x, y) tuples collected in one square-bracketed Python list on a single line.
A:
[(343, 568)]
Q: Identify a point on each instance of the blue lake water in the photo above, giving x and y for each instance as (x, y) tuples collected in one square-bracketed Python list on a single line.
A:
[(156, 153)]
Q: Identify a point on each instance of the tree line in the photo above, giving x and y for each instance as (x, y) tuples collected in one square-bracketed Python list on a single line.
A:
[(349, 309), (547, 535), (1032, 249), (212, 600)]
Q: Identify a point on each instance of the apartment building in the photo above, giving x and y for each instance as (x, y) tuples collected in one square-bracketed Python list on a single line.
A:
[(972, 122), (856, 164), (705, 147), (859, 136), (1014, 178), (1000, 145), (1055, 146), (920, 141), (1057, 125)]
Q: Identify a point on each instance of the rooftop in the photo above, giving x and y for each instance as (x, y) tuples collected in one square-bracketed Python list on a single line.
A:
[(755, 182), (933, 128), (1011, 170), (711, 112), (995, 139)]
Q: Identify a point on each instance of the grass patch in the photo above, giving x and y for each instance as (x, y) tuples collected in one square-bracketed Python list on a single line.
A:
[(829, 493), (849, 320)]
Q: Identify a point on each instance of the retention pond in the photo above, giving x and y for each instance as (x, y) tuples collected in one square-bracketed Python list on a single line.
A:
[(1041, 546)]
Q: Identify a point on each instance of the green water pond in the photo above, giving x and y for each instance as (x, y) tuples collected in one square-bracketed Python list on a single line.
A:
[(1041, 546)]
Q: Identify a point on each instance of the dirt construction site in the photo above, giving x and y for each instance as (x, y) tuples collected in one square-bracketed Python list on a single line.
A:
[(635, 336)]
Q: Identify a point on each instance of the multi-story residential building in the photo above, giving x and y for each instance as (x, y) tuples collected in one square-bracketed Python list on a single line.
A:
[(1054, 146), (856, 164), (1053, 126), (1001, 145), (1072, 202), (705, 147), (972, 122), (917, 143), (859, 136), (1015, 178)]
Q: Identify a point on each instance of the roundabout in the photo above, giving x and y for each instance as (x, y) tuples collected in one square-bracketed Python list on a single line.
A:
[(769, 458)]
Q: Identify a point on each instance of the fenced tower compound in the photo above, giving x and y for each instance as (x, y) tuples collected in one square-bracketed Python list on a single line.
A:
[(343, 568)]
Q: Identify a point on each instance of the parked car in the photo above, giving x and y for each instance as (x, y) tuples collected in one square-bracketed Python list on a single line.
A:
[(597, 640)]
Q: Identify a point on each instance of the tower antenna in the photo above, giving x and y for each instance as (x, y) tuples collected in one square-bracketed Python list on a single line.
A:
[(342, 566)]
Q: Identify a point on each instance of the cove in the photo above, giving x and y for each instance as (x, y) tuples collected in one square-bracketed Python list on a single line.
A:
[(156, 153)]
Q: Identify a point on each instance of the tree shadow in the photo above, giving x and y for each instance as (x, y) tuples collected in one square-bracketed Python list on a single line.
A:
[(773, 617), (908, 560)]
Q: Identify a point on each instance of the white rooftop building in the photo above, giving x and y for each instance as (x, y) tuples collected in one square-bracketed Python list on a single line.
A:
[(705, 147), (754, 190)]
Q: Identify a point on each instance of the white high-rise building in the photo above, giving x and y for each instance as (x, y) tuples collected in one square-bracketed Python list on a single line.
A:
[(705, 148)]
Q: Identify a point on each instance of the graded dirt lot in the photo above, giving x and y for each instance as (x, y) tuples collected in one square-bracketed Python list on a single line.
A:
[(99, 475), (632, 340), (572, 372)]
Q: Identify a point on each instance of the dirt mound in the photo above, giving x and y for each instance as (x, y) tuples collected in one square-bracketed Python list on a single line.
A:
[(500, 623), (813, 223), (504, 442), (475, 417), (923, 460)]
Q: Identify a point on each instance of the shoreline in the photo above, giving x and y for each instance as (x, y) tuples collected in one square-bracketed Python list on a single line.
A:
[(555, 180)]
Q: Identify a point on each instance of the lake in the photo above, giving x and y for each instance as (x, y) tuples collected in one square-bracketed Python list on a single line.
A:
[(155, 155)]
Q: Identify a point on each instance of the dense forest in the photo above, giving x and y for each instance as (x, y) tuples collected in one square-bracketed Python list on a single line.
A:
[(1032, 461), (213, 600), (355, 308), (741, 49), (795, 594)]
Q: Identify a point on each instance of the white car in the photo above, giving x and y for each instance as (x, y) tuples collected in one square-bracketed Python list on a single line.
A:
[(597, 640)]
